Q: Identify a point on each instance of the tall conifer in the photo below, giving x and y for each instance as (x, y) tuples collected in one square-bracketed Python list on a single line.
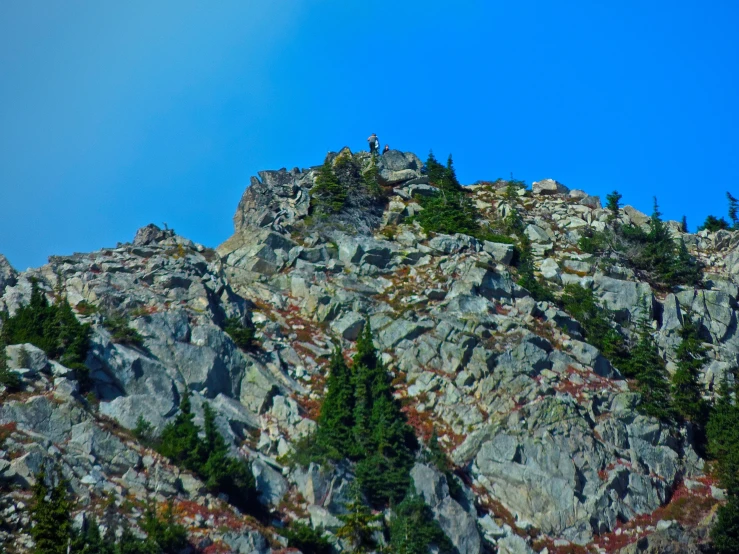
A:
[(336, 422)]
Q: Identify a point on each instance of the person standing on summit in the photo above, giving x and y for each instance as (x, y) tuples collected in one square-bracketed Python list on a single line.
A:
[(374, 143)]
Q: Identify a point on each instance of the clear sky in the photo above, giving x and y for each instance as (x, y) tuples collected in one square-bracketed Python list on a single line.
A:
[(117, 114)]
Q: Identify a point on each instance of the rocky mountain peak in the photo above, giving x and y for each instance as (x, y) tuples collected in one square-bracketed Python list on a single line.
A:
[(533, 432)]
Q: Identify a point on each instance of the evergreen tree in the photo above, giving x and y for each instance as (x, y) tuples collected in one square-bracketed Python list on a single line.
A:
[(179, 440), (169, 536), (527, 279), (434, 170), (725, 532), (449, 181), (384, 441), (686, 388), (613, 204), (413, 530), (336, 422), (648, 368), (357, 526), (733, 207), (90, 541), (51, 327), (450, 210), (50, 513), (131, 544), (722, 432), (713, 224), (597, 322), (329, 196), (684, 224), (666, 262)]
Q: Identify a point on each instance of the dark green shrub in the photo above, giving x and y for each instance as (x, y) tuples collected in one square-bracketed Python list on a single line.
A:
[(242, 335), (597, 322), (371, 179), (307, 539), (527, 279), (450, 210), (713, 224), (143, 431), (121, 331), (659, 259)]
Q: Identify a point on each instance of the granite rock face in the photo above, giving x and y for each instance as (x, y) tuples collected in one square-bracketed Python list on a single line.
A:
[(547, 443)]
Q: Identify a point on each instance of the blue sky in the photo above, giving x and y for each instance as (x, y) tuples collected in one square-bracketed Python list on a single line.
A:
[(114, 115)]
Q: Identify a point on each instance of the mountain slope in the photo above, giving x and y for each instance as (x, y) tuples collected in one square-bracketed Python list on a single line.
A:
[(549, 447)]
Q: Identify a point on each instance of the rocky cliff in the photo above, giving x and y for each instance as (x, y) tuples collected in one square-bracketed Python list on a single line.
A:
[(550, 451)]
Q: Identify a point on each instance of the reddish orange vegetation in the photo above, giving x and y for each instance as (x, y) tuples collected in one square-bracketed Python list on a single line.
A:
[(6, 430), (311, 407), (217, 548), (501, 310), (420, 421)]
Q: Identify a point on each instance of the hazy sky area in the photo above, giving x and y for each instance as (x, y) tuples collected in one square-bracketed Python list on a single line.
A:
[(114, 115)]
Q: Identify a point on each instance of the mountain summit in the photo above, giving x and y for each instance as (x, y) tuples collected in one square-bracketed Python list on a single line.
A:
[(378, 358)]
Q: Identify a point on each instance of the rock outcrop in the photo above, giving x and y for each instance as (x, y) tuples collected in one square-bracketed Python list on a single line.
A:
[(547, 443)]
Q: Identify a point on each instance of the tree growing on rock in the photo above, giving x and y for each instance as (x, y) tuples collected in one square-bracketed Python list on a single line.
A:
[(361, 421), (51, 327), (328, 194), (413, 530), (358, 523), (336, 422), (648, 368), (722, 433), (208, 457), (50, 513), (686, 388), (386, 440)]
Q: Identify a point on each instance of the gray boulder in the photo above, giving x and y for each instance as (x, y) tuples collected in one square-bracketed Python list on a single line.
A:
[(548, 187), (271, 485), (26, 356), (151, 234), (127, 410), (402, 329), (348, 326), (8, 275), (396, 167), (247, 542), (590, 356), (627, 299), (459, 525), (501, 252)]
